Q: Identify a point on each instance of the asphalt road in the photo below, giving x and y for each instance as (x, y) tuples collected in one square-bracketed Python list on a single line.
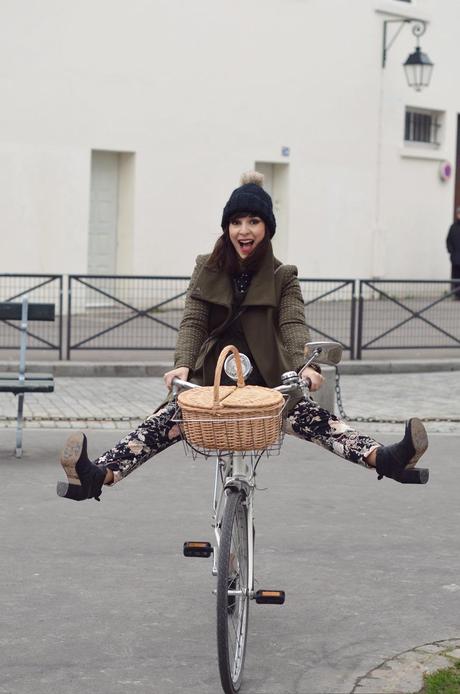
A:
[(96, 597)]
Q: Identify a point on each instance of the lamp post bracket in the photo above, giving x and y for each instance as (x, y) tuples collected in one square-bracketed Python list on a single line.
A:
[(418, 29)]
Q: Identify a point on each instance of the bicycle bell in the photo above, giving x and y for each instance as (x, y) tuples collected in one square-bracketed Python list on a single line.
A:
[(230, 366), (289, 377)]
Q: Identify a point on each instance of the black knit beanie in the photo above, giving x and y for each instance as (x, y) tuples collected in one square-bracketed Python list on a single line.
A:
[(250, 197)]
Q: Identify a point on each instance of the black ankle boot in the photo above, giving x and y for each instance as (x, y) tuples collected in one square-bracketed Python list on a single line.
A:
[(85, 479), (398, 460)]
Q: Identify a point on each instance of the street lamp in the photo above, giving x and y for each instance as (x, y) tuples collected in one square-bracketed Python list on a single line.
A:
[(418, 66)]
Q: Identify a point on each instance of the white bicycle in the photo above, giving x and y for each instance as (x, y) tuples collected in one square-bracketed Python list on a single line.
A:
[(233, 521)]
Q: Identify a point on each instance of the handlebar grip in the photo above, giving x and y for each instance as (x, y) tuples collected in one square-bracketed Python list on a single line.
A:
[(415, 475), (179, 383)]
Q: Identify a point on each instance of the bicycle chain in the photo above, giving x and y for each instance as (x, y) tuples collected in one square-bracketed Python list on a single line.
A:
[(379, 420)]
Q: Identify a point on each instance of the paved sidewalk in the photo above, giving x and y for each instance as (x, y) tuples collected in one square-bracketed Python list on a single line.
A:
[(99, 402), (404, 673), (92, 402)]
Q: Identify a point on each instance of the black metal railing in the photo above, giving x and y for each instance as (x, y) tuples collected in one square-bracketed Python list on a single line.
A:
[(46, 289), (407, 314), (144, 313), (124, 312), (330, 310)]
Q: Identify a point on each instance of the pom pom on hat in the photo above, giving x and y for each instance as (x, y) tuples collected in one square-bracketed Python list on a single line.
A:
[(252, 177), (250, 197)]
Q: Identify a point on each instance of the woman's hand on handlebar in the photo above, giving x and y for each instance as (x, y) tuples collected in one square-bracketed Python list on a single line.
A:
[(181, 372), (316, 379)]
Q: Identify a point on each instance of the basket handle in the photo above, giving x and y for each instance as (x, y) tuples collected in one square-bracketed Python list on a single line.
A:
[(218, 372)]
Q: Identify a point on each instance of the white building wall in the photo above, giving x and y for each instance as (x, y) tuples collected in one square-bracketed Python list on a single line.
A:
[(199, 91), (414, 207)]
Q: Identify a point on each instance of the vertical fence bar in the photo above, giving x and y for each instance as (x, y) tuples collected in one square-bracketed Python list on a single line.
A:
[(61, 303), (353, 320), (359, 328), (69, 315)]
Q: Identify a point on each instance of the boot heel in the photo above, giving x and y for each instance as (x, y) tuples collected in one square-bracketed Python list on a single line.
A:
[(70, 491), (419, 440), (74, 446), (419, 475)]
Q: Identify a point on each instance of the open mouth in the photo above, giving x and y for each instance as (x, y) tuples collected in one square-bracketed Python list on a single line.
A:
[(245, 245)]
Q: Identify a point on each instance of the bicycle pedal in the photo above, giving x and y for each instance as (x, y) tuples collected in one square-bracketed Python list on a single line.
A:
[(270, 597), (197, 549)]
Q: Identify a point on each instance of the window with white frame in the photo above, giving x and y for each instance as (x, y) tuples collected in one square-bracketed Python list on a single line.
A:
[(422, 126)]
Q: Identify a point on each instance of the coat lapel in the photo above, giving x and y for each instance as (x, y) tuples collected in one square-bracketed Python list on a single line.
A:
[(216, 287), (261, 291), (213, 286)]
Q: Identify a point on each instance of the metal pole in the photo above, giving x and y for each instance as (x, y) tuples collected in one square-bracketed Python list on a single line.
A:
[(353, 322), (22, 375), (69, 315), (19, 425), (360, 321), (61, 337), (23, 340)]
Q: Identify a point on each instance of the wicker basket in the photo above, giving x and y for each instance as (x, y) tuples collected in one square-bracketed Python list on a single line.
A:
[(231, 418)]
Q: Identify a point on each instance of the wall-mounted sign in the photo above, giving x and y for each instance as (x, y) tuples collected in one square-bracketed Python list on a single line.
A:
[(445, 170)]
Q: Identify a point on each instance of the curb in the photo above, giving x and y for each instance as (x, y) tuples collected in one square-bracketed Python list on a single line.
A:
[(398, 366), (403, 674), (157, 368), (93, 369)]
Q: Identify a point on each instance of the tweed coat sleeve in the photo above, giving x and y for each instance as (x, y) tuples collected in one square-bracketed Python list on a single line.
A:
[(291, 316), (193, 329)]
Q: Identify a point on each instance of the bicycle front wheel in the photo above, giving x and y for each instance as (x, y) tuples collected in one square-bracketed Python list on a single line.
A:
[(233, 609)]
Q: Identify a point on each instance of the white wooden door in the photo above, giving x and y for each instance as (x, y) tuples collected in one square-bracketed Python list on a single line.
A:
[(276, 185), (102, 242), (266, 169)]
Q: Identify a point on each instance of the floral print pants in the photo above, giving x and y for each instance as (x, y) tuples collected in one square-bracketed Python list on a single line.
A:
[(306, 420)]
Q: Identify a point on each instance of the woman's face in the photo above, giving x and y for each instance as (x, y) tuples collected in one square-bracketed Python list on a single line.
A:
[(246, 232)]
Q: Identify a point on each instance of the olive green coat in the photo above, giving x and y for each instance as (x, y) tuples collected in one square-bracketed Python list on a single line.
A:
[(273, 320)]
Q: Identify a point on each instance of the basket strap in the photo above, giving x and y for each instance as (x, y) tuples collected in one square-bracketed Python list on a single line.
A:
[(218, 372)]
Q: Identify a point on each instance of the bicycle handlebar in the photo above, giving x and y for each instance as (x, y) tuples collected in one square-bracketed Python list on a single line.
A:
[(290, 387), (283, 389), (186, 385)]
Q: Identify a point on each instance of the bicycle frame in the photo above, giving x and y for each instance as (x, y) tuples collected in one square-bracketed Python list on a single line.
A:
[(233, 518), (235, 471)]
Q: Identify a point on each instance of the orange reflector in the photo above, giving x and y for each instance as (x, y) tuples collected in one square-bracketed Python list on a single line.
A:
[(270, 597), (197, 549), (270, 593)]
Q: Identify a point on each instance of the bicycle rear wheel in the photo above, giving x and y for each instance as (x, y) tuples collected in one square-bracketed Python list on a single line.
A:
[(232, 610)]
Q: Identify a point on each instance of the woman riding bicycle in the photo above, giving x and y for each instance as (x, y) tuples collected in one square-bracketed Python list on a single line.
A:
[(241, 294)]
